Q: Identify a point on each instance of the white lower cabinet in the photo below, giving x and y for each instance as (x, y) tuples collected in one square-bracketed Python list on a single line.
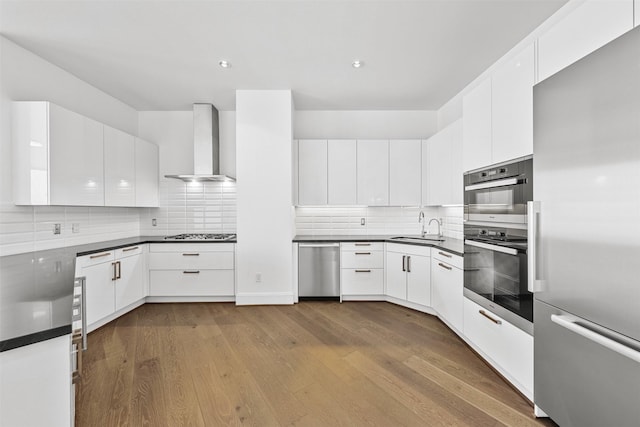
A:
[(446, 287), (506, 347), (192, 270), (408, 273), (361, 269), (35, 384), (114, 281)]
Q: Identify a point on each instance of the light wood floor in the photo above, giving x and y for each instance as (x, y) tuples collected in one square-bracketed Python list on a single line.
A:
[(315, 363)]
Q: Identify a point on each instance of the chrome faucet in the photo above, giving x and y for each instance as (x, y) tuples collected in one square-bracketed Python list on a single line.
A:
[(439, 225), (421, 220)]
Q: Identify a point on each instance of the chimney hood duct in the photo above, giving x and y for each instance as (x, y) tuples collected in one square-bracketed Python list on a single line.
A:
[(206, 146)]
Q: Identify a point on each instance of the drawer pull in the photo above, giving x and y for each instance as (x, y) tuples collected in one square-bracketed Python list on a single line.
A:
[(191, 254), (444, 254), (444, 266), (362, 244), (99, 255), (130, 249), (191, 272), (496, 321), (363, 253), (363, 271)]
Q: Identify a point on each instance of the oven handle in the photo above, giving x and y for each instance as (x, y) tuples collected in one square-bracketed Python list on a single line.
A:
[(493, 184), (496, 248)]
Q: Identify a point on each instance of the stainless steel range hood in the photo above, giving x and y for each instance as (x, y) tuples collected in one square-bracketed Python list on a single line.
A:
[(206, 146)]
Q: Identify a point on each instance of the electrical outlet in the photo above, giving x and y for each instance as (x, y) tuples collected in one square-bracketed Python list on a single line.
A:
[(57, 228), (362, 222), (258, 277), (75, 227), (154, 222)]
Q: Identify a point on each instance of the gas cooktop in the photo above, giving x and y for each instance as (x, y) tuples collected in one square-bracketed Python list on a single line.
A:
[(201, 236)]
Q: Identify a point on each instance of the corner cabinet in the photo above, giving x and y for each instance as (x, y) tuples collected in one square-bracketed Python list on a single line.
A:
[(408, 273), (147, 174), (57, 156)]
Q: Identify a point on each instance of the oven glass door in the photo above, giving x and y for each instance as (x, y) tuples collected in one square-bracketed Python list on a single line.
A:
[(499, 277), (506, 203)]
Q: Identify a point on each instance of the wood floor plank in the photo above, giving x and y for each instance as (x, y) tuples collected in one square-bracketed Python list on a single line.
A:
[(313, 363)]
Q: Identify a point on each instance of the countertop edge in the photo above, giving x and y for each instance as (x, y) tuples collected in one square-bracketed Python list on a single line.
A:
[(143, 241), (36, 337)]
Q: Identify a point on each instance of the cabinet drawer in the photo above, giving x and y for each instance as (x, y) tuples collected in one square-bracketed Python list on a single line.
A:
[(362, 281), (357, 246), (409, 249), (508, 346), (448, 258), (363, 258), (95, 259), (129, 251), (191, 247), (191, 260), (191, 283)]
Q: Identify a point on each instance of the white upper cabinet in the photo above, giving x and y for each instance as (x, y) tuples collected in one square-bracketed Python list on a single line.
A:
[(146, 158), (119, 168), (476, 116), (512, 107), (312, 170), (342, 180), (442, 167), (590, 26), (405, 172), (57, 156), (373, 172)]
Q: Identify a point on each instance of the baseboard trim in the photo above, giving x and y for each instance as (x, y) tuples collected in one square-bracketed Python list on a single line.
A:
[(166, 299), (411, 305), (272, 298)]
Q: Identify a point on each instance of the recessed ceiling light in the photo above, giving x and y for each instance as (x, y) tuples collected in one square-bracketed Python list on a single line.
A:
[(224, 64), (357, 64)]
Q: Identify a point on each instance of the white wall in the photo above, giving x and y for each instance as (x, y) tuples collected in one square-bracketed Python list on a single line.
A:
[(264, 131), (365, 124), (27, 77)]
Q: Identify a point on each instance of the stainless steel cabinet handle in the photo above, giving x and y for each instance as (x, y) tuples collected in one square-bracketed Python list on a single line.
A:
[(191, 254), (363, 271), (496, 321), (99, 255), (362, 244), (114, 272), (404, 260), (445, 254), (130, 249), (191, 272), (119, 266), (363, 253), (408, 264), (444, 266)]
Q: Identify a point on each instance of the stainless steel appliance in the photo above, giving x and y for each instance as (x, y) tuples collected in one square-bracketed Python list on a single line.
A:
[(495, 273), (201, 236), (586, 239), (78, 327), (499, 194), (319, 270)]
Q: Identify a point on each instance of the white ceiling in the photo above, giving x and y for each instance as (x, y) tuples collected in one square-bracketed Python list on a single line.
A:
[(163, 55)]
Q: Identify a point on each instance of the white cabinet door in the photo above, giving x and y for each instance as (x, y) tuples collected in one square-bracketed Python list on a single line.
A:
[(146, 173), (590, 26), (342, 180), (405, 172), (119, 168), (457, 183), (636, 9), (439, 168), (476, 116), (100, 287), (373, 172), (512, 107), (396, 276), (75, 159), (312, 172), (294, 168), (129, 287), (446, 292), (419, 279)]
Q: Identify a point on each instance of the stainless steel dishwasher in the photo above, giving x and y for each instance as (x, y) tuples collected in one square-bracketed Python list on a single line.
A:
[(319, 271)]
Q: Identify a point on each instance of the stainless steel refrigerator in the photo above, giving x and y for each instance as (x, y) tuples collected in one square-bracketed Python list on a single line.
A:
[(585, 239)]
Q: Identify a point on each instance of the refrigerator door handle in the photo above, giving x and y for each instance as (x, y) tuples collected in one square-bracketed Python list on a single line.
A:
[(533, 220), (612, 343)]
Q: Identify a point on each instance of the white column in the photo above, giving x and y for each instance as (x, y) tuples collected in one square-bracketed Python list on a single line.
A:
[(264, 134)]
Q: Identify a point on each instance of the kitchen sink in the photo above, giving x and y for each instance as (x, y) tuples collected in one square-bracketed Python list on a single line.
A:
[(427, 238)]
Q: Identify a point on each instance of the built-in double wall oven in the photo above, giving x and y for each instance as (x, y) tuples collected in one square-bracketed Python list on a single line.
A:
[(495, 233)]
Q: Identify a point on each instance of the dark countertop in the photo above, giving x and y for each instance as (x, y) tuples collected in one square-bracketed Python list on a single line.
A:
[(455, 246), (36, 289)]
